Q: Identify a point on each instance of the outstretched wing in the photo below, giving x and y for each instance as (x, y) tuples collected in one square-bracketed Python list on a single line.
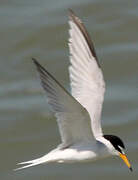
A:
[(72, 118), (87, 83)]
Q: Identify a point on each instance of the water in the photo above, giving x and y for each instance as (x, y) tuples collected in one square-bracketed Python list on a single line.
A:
[(27, 127)]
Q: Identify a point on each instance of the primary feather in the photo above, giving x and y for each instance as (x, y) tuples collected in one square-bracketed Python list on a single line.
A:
[(87, 83), (72, 117)]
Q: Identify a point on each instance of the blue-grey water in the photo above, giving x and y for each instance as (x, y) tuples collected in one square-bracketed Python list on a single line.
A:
[(28, 129)]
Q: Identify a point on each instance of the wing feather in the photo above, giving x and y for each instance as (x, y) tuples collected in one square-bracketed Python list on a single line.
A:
[(87, 82), (73, 120)]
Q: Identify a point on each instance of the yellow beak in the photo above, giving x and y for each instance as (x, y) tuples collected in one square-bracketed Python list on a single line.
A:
[(123, 156)]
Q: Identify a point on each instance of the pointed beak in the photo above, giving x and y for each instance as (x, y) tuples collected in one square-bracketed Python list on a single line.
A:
[(123, 156)]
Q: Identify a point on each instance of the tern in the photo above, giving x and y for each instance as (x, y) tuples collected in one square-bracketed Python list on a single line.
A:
[(79, 113)]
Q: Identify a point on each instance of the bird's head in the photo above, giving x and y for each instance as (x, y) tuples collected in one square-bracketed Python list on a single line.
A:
[(118, 148)]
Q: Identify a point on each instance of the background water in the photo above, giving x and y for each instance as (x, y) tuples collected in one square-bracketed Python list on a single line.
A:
[(28, 129)]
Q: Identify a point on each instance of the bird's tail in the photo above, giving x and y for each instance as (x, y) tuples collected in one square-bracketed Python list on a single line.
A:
[(32, 163)]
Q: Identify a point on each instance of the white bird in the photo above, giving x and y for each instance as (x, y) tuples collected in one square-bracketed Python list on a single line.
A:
[(79, 113)]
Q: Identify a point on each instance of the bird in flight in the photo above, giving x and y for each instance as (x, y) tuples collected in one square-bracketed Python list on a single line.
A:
[(79, 113)]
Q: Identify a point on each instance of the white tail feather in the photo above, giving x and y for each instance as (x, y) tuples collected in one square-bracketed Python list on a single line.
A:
[(32, 163), (50, 157), (29, 162)]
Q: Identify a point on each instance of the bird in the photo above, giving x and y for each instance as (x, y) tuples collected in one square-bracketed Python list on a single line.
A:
[(78, 113)]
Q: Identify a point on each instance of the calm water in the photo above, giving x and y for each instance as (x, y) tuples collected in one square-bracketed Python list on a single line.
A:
[(39, 29)]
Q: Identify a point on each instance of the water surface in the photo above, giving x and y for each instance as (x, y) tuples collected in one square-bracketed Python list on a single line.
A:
[(27, 127)]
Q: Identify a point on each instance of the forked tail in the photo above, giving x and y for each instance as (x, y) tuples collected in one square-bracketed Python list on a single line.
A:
[(34, 162)]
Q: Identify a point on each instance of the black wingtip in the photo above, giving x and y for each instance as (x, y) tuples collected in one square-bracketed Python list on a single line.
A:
[(71, 12), (38, 66), (35, 61), (72, 15)]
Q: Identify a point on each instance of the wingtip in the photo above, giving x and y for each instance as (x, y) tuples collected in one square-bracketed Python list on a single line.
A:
[(71, 13), (34, 61), (73, 16)]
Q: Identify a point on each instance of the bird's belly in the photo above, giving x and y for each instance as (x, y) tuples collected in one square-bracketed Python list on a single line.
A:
[(75, 154)]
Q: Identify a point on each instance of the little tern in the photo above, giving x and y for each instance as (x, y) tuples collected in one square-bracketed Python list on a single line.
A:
[(79, 113)]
